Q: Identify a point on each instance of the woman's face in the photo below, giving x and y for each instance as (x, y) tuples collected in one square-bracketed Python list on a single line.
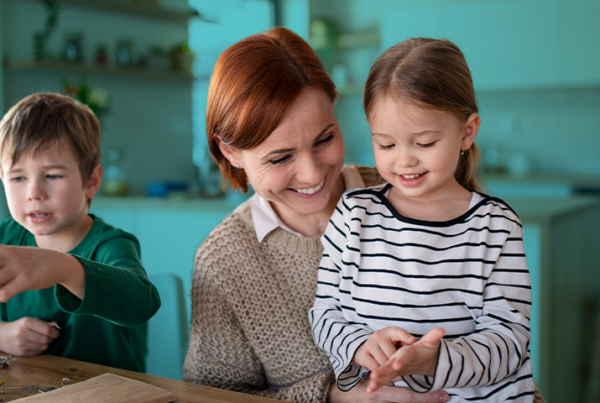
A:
[(297, 166)]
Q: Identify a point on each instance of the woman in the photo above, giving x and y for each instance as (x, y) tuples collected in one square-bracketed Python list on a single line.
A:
[(270, 123)]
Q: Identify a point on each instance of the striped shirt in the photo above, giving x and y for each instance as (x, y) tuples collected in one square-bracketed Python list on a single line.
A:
[(467, 275)]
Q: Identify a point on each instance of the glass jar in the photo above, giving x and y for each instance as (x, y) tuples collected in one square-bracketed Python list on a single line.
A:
[(114, 181)]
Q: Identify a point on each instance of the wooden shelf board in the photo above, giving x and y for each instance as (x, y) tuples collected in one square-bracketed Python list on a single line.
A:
[(356, 40), (135, 73), (140, 10)]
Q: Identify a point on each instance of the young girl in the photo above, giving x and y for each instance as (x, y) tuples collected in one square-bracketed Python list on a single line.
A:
[(423, 280)]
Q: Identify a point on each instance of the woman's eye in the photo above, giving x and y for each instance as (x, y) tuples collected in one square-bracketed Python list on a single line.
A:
[(427, 145), (280, 160), (386, 147), (325, 140)]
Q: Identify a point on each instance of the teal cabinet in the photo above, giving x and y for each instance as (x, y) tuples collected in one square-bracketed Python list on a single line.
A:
[(510, 45)]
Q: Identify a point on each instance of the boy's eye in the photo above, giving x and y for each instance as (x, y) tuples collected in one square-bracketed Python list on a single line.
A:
[(281, 160), (53, 176), (18, 179), (427, 145)]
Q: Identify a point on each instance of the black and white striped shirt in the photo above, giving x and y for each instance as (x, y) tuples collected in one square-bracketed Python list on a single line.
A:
[(467, 275)]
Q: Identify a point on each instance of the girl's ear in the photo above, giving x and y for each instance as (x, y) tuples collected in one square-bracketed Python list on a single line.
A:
[(228, 152), (471, 127)]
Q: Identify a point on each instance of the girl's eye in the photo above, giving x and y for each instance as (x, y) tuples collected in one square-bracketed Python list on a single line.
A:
[(281, 160), (386, 147), (326, 140), (428, 145)]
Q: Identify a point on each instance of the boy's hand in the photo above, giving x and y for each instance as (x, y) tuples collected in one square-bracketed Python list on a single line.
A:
[(419, 358), (381, 346), (25, 268), (26, 336)]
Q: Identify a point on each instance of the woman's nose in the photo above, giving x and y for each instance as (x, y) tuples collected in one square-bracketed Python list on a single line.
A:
[(309, 170)]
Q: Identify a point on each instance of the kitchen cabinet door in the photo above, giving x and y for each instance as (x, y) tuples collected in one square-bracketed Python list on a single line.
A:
[(507, 44)]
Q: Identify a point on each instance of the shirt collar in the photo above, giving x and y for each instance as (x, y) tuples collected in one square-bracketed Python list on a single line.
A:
[(266, 220)]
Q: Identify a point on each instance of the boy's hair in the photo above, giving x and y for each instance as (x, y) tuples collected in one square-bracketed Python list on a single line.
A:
[(254, 83), (42, 120), (431, 73)]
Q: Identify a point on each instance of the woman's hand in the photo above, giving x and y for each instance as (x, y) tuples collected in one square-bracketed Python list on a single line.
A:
[(381, 346), (386, 394), (419, 358)]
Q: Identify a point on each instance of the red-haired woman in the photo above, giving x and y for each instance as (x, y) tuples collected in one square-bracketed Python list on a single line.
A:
[(270, 124)]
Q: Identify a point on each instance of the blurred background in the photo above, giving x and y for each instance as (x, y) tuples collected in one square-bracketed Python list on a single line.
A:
[(144, 67)]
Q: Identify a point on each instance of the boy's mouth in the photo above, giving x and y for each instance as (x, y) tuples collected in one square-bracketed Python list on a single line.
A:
[(39, 216)]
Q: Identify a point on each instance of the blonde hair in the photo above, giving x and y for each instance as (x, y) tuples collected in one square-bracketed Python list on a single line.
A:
[(42, 120), (432, 73)]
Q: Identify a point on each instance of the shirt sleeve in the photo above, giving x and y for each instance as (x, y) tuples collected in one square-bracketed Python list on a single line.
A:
[(331, 330), (117, 288), (499, 345)]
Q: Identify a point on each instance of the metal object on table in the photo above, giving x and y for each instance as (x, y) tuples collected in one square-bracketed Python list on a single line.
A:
[(6, 361), (25, 389), (66, 382)]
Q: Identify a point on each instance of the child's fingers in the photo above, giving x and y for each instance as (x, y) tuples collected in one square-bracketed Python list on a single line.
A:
[(380, 377), (8, 290), (433, 336), (43, 329), (400, 336)]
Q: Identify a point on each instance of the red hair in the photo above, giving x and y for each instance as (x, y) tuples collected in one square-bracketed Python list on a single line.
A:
[(253, 84)]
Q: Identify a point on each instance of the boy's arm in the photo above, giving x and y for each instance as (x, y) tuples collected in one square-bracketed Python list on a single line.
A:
[(331, 330), (116, 285), (497, 348)]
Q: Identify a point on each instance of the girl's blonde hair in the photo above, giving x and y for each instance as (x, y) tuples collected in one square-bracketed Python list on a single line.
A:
[(432, 73)]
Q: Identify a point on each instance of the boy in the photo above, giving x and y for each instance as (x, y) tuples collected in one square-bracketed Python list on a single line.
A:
[(70, 284)]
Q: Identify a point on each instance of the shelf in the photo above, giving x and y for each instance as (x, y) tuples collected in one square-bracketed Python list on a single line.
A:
[(135, 73), (135, 9), (348, 41)]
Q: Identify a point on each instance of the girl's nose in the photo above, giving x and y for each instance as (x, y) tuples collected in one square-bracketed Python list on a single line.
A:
[(405, 158)]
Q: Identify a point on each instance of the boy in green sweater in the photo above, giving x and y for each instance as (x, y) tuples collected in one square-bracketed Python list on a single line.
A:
[(70, 284)]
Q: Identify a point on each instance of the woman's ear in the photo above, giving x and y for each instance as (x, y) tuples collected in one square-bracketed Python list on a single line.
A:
[(470, 129), (228, 152)]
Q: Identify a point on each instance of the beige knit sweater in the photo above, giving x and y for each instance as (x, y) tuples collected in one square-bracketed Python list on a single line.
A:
[(250, 329), (250, 302)]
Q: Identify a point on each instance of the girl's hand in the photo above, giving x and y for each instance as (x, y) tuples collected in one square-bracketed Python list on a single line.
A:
[(387, 394), (381, 346), (26, 336), (419, 358)]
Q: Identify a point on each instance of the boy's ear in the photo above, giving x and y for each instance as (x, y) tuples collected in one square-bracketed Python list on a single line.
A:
[(470, 130), (228, 152), (94, 182)]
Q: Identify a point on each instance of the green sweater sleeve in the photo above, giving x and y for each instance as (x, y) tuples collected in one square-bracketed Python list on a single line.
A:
[(117, 288)]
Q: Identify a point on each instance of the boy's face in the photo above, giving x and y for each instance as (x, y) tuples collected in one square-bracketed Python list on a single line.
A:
[(46, 195)]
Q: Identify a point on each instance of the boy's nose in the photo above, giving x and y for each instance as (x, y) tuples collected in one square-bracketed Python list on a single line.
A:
[(36, 191)]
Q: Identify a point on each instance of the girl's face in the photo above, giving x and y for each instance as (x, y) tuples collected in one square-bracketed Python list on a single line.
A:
[(417, 149), (297, 166)]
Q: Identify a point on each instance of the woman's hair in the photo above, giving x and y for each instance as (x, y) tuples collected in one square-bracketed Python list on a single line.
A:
[(254, 83), (430, 73)]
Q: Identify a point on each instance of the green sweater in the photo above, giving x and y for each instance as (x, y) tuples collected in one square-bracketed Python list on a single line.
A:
[(110, 325)]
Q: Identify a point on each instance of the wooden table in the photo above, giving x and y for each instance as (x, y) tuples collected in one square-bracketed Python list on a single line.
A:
[(48, 370)]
